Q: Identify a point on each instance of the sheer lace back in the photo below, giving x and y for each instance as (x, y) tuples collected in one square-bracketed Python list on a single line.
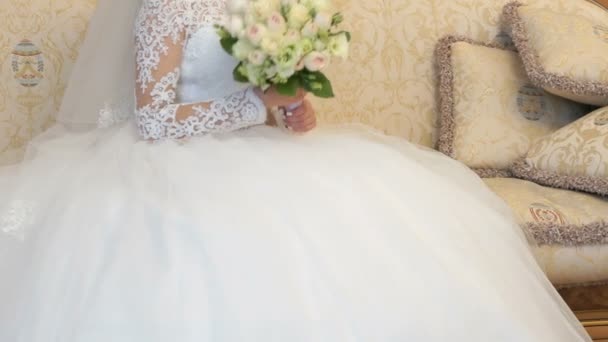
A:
[(169, 38)]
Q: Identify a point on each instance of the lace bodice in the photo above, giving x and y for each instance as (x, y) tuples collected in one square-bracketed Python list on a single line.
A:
[(184, 82)]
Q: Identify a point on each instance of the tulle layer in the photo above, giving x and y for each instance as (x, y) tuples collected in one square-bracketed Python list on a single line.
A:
[(338, 235)]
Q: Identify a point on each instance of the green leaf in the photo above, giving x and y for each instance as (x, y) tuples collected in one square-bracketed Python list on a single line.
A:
[(290, 88), (221, 31), (238, 74), (348, 34), (337, 19), (306, 84), (317, 83), (285, 10), (227, 44)]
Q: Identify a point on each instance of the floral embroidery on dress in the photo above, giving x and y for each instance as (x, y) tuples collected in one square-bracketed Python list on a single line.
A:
[(16, 217), (163, 25)]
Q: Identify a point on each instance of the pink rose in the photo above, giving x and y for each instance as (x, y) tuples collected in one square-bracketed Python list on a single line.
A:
[(316, 61)]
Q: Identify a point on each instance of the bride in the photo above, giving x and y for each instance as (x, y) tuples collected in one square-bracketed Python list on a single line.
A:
[(181, 225)]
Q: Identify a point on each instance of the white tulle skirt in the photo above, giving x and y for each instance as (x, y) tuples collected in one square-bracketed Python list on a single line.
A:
[(338, 235)]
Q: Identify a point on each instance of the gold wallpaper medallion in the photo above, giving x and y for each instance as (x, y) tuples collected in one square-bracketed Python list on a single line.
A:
[(39, 42), (28, 64)]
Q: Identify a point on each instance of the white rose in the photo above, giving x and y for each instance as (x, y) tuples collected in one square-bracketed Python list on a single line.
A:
[(319, 45), (300, 65), (241, 50), (255, 74), (269, 46), (236, 26), (271, 71), (257, 57), (276, 22), (256, 33), (292, 37), (237, 6), (305, 46), (316, 61), (298, 15), (310, 30), (318, 5), (264, 8), (287, 58), (323, 21), (338, 45), (250, 19), (289, 2), (286, 73), (321, 5)]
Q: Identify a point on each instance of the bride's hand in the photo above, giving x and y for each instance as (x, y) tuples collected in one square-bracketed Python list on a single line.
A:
[(272, 98), (302, 119)]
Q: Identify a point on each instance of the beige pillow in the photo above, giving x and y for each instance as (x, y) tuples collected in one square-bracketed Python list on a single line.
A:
[(569, 228), (489, 112), (575, 157), (564, 54)]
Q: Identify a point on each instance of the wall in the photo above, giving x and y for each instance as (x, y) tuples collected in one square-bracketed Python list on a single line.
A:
[(39, 41), (389, 82)]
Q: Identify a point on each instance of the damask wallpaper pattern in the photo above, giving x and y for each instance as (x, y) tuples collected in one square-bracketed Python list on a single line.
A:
[(39, 41), (389, 82)]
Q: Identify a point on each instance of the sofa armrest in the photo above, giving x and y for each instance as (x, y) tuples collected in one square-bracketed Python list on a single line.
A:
[(603, 3)]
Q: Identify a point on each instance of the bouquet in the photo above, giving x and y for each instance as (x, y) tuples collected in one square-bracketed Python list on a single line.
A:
[(284, 43)]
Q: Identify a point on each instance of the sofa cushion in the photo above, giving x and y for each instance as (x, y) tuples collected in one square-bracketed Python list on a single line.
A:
[(575, 157), (39, 42), (570, 228), (489, 112), (389, 80), (565, 54)]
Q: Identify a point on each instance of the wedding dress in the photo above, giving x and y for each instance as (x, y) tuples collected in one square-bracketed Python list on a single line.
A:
[(226, 234)]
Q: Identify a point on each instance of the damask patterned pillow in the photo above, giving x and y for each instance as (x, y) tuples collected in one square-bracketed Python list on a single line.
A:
[(489, 112), (564, 54), (569, 228), (574, 157)]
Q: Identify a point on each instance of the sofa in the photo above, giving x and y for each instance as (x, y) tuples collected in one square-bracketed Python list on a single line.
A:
[(389, 82)]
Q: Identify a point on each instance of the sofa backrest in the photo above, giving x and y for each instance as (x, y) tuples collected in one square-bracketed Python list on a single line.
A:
[(389, 81)]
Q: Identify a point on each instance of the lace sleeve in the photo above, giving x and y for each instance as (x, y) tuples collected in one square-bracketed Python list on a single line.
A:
[(161, 31)]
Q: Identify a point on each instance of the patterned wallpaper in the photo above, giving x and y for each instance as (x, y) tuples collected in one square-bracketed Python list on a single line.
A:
[(39, 41), (389, 82)]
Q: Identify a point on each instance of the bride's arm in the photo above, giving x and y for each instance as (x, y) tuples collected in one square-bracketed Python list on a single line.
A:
[(161, 32)]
